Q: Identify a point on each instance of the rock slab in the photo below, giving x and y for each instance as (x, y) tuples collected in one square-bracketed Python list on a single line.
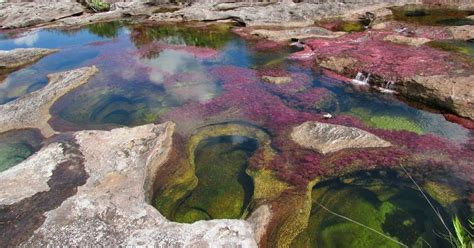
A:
[(32, 110), (20, 57), (326, 138), (113, 208), (19, 15)]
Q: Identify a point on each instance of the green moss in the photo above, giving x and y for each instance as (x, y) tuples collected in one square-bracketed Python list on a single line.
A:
[(224, 189), (211, 182), (395, 123), (267, 186), (390, 122), (352, 27)]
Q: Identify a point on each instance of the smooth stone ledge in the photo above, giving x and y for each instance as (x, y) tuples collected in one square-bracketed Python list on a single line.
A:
[(326, 138)]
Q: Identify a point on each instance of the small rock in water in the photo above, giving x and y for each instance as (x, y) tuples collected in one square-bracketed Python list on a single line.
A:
[(277, 80), (327, 116), (325, 138)]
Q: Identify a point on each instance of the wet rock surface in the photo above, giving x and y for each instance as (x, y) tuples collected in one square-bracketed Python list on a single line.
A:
[(111, 207), (32, 110), (326, 138)]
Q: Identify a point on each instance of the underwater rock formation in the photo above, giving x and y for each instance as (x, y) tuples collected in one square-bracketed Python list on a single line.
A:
[(326, 138), (32, 110), (15, 59), (111, 207)]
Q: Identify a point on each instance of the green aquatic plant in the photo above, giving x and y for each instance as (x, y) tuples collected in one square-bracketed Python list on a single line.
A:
[(463, 238), (390, 122), (98, 5), (224, 189), (352, 27), (395, 123), (211, 180)]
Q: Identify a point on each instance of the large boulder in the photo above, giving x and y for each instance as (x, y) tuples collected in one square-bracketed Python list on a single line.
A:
[(110, 203), (451, 92), (326, 138), (19, 15), (32, 110), (465, 32)]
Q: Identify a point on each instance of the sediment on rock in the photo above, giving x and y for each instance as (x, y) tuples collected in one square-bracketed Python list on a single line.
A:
[(32, 110)]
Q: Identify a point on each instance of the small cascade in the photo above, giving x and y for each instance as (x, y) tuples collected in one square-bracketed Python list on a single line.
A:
[(388, 87), (361, 79)]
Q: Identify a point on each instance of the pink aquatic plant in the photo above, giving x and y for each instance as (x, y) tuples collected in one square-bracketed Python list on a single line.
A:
[(376, 56), (279, 108)]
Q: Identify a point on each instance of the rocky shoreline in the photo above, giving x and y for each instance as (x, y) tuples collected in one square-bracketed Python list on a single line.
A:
[(96, 187)]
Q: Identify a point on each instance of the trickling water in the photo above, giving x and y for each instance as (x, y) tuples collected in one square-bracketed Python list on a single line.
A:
[(361, 79)]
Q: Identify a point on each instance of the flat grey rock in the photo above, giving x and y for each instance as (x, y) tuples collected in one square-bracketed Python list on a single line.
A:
[(326, 138)]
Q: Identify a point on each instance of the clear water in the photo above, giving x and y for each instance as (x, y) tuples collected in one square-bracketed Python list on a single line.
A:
[(16, 146), (200, 76)]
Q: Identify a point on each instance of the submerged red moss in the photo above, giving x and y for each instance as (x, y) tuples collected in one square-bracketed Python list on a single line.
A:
[(381, 57), (280, 107)]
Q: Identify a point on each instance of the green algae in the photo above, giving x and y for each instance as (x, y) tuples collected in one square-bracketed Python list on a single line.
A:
[(432, 16), (400, 213), (16, 146), (390, 122), (224, 189), (463, 48)]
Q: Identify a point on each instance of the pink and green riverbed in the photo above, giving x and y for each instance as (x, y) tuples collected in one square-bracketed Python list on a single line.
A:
[(232, 150)]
